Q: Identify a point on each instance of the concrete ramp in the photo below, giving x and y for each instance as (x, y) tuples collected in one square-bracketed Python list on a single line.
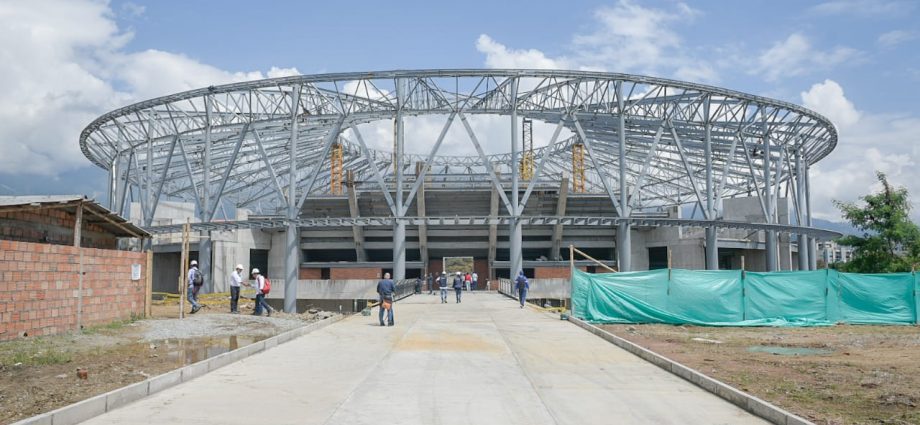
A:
[(484, 361)]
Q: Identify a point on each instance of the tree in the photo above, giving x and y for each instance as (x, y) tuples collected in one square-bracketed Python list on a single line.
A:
[(890, 242)]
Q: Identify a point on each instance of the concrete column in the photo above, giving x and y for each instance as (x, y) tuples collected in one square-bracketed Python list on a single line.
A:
[(624, 247), (291, 266), (356, 230), (204, 261), (493, 232), (517, 241), (555, 255), (422, 228)]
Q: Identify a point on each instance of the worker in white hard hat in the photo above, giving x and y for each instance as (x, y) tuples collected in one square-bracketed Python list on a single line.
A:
[(260, 297), (195, 280), (236, 280)]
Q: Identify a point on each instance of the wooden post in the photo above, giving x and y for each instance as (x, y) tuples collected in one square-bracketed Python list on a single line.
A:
[(77, 239), (592, 259), (572, 279), (148, 298)]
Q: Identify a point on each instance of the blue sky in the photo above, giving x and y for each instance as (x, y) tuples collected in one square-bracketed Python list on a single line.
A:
[(66, 62)]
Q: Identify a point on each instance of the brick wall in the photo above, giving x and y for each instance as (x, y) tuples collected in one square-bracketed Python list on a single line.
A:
[(39, 283), (52, 226), (310, 273), (355, 273)]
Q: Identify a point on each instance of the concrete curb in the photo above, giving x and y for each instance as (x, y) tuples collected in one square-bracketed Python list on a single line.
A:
[(731, 394), (102, 403)]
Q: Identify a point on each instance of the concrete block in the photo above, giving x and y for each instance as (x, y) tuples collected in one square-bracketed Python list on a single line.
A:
[(220, 361), (79, 412), (285, 337), (766, 410), (796, 420), (194, 370), (733, 395), (707, 383), (270, 342), (125, 395), (43, 419), (164, 381), (683, 371)]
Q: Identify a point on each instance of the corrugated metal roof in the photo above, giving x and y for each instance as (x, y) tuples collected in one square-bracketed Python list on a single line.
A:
[(98, 215)]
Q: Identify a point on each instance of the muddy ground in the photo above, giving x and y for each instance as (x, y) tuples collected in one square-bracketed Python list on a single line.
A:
[(40, 374), (830, 375)]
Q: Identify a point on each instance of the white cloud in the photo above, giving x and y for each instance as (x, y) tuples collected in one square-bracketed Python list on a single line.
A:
[(893, 38), (63, 63), (827, 98), (627, 38), (796, 56), (849, 171), (864, 8), (499, 56)]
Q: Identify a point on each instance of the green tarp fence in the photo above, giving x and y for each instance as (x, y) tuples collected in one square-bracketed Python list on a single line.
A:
[(735, 298)]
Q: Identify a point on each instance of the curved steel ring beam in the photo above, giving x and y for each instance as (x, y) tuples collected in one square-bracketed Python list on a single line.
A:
[(231, 143)]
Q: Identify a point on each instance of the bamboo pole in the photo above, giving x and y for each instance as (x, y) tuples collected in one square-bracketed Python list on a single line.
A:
[(592, 259), (572, 279)]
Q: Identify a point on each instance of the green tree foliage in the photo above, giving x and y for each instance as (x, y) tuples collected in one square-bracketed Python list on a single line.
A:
[(891, 242)]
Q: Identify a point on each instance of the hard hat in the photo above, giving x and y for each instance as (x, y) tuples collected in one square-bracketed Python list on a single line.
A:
[(255, 271), (194, 263), (458, 273), (239, 267)]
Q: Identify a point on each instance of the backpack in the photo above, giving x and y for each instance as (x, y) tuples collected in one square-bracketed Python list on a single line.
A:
[(267, 287), (197, 278)]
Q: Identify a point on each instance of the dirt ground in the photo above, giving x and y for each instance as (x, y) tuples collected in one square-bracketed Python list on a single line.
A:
[(40, 374), (830, 375)]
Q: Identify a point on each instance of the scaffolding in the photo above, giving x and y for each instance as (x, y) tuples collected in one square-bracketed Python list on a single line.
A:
[(335, 175), (527, 151), (578, 168)]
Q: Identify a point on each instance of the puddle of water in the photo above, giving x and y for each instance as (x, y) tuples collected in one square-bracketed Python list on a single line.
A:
[(198, 349), (789, 351)]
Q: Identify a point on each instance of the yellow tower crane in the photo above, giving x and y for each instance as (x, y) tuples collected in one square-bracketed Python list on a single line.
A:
[(578, 168), (335, 175), (527, 151)]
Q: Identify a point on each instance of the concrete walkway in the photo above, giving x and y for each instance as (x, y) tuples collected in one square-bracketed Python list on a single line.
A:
[(484, 361)]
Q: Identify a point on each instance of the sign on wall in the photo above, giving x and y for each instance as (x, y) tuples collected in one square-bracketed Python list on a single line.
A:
[(135, 272)]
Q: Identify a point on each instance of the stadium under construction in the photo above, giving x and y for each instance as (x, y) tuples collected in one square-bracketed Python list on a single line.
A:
[(346, 176)]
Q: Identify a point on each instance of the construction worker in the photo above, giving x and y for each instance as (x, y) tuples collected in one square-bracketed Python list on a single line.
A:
[(195, 280), (522, 285), (458, 286), (236, 279), (260, 297), (442, 285), (386, 289)]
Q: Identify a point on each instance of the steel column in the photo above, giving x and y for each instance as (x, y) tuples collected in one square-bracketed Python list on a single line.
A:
[(712, 241), (292, 233), (624, 241), (516, 233), (399, 227), (770, 243), (800, 210), (812, 248)]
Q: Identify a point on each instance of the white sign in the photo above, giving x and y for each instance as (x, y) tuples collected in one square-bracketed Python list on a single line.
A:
[(135, 272)]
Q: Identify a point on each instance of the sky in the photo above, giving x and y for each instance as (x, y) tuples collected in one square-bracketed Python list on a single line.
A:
[(65, 62)]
